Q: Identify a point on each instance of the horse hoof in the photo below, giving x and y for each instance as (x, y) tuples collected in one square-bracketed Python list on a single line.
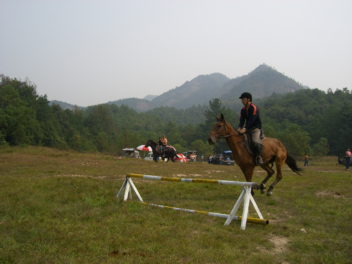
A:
[(262, 186), (269, 193), (262, 191)]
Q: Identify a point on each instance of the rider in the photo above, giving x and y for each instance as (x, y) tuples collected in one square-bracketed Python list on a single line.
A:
[(164, 143), (250, 114), (160, 145)]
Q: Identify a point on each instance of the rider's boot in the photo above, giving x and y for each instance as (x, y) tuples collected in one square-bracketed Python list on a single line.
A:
[(258, 152)]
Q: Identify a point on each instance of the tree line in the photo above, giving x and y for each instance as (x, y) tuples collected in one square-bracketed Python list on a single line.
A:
[(306, 121)]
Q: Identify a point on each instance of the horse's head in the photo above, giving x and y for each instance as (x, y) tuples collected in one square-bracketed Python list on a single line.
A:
[(219, 130), (148, 144)]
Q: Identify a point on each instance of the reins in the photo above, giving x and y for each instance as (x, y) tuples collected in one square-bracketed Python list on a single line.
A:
[(226, 136)]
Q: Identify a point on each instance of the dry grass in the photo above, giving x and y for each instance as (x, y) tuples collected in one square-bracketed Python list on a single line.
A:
[(61, 207)]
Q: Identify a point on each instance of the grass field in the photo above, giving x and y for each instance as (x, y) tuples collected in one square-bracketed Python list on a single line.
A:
[(61, 207)]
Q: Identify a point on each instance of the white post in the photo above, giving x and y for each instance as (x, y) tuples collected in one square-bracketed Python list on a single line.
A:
[(122, 187), (127, 191), (245, 207), (235, 208), (256, 207), (135, 189)]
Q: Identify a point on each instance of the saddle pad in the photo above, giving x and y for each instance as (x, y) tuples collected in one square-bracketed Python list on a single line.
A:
[(171, 147)]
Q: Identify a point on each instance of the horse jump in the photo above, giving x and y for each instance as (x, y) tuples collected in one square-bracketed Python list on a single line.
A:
[(245, 197)]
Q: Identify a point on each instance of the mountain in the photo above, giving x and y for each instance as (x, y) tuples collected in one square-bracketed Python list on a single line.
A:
[(261, 82), (64, 105), (140, 105), (197, 91), (150, 97)]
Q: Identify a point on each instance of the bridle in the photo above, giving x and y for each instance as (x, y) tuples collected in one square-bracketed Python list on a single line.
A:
[(226, 136)]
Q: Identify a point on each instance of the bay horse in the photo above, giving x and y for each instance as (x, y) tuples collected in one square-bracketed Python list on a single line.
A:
[(170, 153), (273, 151)]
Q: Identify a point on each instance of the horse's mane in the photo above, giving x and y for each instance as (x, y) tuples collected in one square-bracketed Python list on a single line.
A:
[(152, 142), (229, 126)]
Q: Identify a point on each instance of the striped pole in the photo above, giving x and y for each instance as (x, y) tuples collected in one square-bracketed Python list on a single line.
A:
[(188, 180), (236, 218)]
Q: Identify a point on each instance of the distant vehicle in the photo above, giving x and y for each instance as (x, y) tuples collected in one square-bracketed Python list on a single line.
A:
[(225, 158), (191, 155), (342, 161), (130, 153), (149, 156)]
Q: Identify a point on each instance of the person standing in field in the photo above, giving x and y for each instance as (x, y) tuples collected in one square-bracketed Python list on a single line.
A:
[(306, 160), (348, 158)]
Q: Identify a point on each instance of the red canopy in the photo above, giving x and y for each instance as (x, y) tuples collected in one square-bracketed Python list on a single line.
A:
[(180, 158), (143, 148)]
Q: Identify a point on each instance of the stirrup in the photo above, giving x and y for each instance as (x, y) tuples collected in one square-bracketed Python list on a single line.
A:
[(259, 160)]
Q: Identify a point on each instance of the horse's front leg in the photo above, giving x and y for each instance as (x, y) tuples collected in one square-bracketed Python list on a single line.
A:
[(248, 174)]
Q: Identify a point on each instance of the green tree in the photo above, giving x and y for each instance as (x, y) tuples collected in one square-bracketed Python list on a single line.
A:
[(17, 121), (202, 148), (293, 138), (321, 148), (216, 108)]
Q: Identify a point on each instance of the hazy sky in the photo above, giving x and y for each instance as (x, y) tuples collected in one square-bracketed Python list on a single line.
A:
[(91, 52)]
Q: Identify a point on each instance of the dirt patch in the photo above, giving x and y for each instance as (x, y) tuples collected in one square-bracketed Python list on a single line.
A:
[(213, 171), (330, 194), (195, 232), (81, 176), (281, 219), (187, 175), (326, 171), (116, 252), (280, 244)]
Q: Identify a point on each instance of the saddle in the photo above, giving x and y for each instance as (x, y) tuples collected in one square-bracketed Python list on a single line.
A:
[(164, 148), (247, 141)]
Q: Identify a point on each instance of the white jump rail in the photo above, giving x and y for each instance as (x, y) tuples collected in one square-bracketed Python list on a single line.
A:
[(245, 197)]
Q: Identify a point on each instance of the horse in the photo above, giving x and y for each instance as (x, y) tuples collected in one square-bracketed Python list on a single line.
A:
[(273, 151), (169, 152)]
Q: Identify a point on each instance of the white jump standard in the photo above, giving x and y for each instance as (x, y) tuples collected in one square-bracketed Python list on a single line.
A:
[(245, 197)]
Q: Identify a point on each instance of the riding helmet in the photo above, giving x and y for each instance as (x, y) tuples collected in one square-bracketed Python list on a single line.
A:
[(246, 95)]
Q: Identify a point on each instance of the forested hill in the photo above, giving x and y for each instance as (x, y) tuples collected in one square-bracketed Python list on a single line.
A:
[(65, 105), (197, 91), (140, 105), (306, 120), (262, 82)]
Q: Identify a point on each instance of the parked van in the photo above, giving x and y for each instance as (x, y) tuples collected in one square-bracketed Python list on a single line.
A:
[(130, 153), (149, 156)]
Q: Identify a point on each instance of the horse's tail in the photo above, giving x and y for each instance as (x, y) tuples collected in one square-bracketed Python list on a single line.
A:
[(291, 162)]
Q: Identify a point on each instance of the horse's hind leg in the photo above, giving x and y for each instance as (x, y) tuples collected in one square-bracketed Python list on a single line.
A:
[(278, 178), (270, 172)]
